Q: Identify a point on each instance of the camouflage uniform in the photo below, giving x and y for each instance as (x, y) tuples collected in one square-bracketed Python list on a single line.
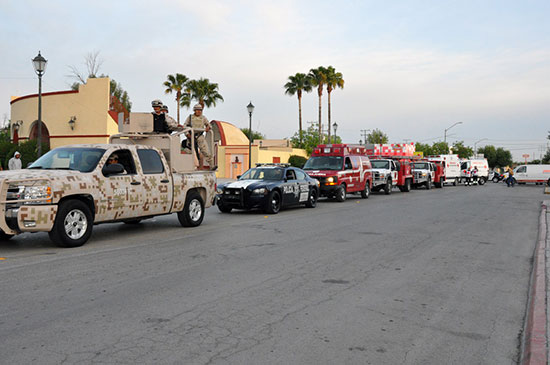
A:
[(200, 122)]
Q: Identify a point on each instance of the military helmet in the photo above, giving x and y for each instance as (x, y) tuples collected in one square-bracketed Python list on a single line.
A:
[(164, 108), (197, 107), (156, 102)]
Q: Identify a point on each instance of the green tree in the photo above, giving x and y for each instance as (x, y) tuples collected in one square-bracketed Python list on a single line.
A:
[(297, 161), (255, 134), (203, 91), (377, 136), (425, 148), (461, 150), (334, 80), (176, 83), (440, 148), (490, 153), (310, 139), (318, 77), (503, 157), (296, 85)]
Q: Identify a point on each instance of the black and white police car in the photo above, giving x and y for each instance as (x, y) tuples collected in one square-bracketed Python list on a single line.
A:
[(269, 187)]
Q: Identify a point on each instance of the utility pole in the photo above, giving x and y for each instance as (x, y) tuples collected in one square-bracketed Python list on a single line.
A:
[(364, 134)]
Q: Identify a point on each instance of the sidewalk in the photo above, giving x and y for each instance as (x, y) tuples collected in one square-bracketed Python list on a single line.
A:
[(534, 347)]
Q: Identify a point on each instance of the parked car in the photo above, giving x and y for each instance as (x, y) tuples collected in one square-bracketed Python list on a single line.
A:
[(269, 187)]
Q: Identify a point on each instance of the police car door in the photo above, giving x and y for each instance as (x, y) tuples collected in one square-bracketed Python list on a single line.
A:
[(291, 188), (303, 185), (157, 182), (121, 194)]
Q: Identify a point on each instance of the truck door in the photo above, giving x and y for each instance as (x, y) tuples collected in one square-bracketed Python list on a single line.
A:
[(291, 188), (355, 178), (120, 195), (156, 181), (395, 166), (521, 174), (348, 172)]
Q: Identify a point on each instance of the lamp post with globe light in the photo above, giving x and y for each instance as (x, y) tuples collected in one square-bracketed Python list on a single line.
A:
[(250, 108), (39, 64)]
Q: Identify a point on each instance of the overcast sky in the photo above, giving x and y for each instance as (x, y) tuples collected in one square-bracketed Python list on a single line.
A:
[(411, 68)]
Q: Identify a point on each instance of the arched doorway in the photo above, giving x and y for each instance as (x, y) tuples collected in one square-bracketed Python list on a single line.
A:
[(45, 134)]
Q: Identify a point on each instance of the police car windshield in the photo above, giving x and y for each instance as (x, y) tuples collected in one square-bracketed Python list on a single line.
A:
[(263, 173), (421, 166), (66, 158), (324, 163), (380, 164)]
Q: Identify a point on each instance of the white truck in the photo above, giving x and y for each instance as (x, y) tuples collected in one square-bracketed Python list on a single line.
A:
[(451, 164), (482, 169), (424, 173), (384, 175), (532, 174)]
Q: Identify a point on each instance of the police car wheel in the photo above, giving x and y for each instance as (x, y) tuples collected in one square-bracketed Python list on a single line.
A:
[(312, 200), (222, 208), (193, 210), (273, 202), (341, 193), (5, 237), (73, 224)]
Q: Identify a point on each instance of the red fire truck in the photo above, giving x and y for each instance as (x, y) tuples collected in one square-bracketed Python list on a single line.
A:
[(341, 169), (390, 171)]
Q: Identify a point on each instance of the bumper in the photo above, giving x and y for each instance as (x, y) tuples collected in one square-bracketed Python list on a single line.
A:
[(327, 190), (242, 202)]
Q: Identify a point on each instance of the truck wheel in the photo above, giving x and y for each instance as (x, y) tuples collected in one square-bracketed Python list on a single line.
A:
[(454, 182), (388, 187), (273, 202), (73, 224), (407, 186), (481, 181), (193, 210), (341, 193), (366, 192), (429, 183), (312, 200), (548, 182), (5, 237)]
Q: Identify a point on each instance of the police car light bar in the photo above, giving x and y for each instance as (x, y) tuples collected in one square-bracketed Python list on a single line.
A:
[(258, 164)]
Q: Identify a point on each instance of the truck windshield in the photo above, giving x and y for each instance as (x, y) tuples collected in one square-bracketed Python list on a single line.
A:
[(269, 173), (324, 163), (421, 166), (69, 158), (380, 164)]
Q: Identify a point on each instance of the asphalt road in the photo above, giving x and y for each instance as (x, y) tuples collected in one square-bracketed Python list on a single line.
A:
[(426, 277)]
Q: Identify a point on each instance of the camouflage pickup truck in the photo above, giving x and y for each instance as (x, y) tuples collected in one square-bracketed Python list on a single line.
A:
[(71, 188)]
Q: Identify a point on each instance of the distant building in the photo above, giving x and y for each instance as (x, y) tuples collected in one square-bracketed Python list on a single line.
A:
[(86, 115)]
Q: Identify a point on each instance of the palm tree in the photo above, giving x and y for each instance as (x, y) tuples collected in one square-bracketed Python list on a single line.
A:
[(176, 83), (318, 77), (296, 85), (205, 92), (334, 80)]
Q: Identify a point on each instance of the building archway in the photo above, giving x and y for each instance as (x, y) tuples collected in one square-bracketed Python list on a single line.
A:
[(45, 134)]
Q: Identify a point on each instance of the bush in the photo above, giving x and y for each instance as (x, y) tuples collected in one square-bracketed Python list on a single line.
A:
[(297, 161)]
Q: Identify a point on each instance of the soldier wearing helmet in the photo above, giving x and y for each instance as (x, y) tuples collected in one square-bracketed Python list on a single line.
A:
[(159, 119), (171, 122), (199, 121)]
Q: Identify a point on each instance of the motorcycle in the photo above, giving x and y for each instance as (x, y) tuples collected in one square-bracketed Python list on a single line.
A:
[(498, 177)]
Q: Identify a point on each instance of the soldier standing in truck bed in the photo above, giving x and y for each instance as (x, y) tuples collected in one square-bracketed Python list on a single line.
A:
[(170, 122), (160, 123), (199, 121)]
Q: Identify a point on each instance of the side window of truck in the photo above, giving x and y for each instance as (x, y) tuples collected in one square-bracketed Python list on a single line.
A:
[(150, 161), (347, 164), (123, 157), (522, 169)]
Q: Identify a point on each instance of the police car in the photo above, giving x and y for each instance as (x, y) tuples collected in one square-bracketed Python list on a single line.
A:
[(269, 187)]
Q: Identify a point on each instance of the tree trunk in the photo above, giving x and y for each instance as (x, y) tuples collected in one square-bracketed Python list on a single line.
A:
[(300, 118), (329, 118), (320, 124), (178, 95)]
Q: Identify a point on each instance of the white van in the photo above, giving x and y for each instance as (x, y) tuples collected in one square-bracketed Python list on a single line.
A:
[(451, 163), (482, 168), (532, 174)]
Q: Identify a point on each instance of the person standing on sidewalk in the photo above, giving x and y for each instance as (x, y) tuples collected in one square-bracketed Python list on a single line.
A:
[(15, 162)]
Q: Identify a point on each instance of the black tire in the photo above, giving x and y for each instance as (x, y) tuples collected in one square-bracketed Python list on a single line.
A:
[(5, 237), (312, 199), (481, 181), (73, 224), (495, 179), (365, 193), (454, 182), (133, 221), (222, 208), (273, 204), (341, 193), (388, 187), (193, 210), (376, 189), (407, 186), (548, 182), (429, 183)]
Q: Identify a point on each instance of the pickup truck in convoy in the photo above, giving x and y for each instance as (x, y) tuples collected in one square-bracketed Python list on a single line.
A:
[(71, 188), (424, 173), (389, 172), (340, 169)]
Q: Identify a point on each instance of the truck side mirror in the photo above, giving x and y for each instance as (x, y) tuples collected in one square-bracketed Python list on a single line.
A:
[(112, 169)]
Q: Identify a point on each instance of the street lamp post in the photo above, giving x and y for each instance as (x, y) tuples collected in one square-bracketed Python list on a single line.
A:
[(250, 108), (475, 145), (39, 64), (335, 126), (445, 134)]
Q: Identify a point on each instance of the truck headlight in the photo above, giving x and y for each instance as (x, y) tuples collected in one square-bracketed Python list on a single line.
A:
[(259, 191), (382, 174), (423, 174), (38, 192)]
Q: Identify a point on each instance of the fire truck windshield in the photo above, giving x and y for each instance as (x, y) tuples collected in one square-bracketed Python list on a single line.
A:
[(380, 164), (421, 166), (324, 163)]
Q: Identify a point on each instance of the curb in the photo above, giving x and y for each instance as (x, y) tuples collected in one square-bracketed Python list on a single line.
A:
[(534, 344)]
